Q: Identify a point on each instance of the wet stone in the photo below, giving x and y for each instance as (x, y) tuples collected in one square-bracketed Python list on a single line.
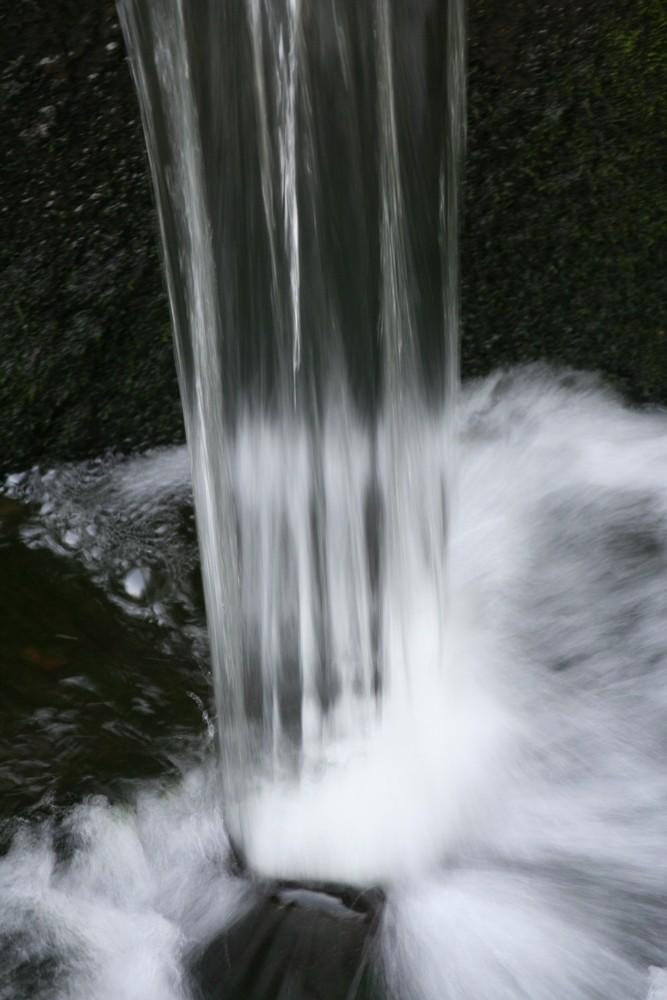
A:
[(301, 942)]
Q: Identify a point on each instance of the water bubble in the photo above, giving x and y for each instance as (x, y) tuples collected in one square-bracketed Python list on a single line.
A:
[(15, 479), (137, 582)]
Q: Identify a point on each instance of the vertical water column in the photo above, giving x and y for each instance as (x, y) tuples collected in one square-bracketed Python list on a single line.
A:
[(451, 183), (160, 44), (275, 36), (306, 158), (401, 395), (417, 461)]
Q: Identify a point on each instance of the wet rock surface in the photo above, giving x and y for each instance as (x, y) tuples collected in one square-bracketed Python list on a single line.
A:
[(295, 943), (90, 699), (86, 346), (565, 218)]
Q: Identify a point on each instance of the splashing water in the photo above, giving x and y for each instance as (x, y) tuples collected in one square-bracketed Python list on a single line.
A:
[(525, 814), (434, 630), (436, 624)]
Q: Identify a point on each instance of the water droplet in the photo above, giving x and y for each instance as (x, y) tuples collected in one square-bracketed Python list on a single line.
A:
[(136, 582)]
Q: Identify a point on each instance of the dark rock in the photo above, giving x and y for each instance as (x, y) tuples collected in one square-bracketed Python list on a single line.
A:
[(301, 943), (565, 223), (86, 358)]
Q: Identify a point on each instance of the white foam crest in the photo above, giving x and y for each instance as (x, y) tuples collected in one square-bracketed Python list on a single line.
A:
[(396, 803), (135, 890), (513, 797), (503, 937), (524, 690), (157, 474)]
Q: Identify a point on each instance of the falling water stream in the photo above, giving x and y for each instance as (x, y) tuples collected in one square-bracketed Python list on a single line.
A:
[(435, 616), (306, 160)]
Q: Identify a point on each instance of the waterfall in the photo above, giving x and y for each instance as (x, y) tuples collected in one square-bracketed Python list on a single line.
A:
[(306, 160), (436, 618)]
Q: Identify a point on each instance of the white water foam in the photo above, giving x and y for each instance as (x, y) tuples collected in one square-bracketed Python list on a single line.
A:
[(502, 936), (516, 809), (110, 906), (525, 699)]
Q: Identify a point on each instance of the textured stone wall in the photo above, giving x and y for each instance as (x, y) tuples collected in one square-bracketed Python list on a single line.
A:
[(565, 247), (86, 361)]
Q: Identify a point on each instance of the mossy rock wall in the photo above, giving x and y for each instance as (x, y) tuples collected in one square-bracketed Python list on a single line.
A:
[(566, 200), (565, 222)]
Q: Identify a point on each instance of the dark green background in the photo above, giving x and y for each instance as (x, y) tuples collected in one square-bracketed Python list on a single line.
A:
[(565, 216)]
